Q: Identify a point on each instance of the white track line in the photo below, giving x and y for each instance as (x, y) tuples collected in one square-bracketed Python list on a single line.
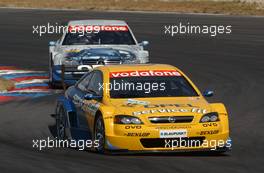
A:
[(7, 72), (33, 81), (30, 91)]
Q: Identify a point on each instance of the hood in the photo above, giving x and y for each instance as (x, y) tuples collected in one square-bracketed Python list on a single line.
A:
[(163, 106), (137, 51), (76, 48), (95, 54)]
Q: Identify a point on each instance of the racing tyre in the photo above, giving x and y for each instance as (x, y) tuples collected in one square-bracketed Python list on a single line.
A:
[(52, 84), (99, 134), (50, 79), (61, 124), (50, 75)]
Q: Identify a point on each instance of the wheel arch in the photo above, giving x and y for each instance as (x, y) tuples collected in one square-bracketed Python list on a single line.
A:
[(219, 107), (70, 111), (97, 114)]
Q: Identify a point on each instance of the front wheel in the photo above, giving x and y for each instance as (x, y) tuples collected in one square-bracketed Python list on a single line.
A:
[(99, 134), (52, 83)]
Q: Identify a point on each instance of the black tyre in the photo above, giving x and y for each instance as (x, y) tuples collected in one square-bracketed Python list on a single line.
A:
[(52, 84), (61, 124), (99, 134)]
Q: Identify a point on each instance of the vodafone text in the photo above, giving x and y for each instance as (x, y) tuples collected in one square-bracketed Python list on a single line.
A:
[(144, 73)]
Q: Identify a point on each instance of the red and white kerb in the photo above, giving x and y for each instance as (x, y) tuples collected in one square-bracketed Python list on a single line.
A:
[(144, 73), (96, 28)]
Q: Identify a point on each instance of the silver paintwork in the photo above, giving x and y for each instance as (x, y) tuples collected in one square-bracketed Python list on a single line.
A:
[(57, 51)]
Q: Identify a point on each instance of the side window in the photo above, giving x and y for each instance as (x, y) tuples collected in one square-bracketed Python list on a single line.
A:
[(83, 84), (96, 84)]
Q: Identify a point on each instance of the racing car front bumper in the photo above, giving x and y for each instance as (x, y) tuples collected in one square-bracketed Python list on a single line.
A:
[(149, 139)]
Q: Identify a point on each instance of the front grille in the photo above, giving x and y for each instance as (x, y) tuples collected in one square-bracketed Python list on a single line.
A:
[(89, 62), (109, 62), (70, 68), (171, 119), (163, 142), (71, 72), (105, 62)]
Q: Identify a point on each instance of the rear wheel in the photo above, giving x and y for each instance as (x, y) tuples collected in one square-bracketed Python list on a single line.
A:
[(99, 133), (61, 124)]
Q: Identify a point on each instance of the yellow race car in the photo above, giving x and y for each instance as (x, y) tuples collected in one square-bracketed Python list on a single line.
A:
[(141, 108)]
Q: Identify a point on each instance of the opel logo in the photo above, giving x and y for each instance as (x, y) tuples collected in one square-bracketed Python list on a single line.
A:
[(172, 119)]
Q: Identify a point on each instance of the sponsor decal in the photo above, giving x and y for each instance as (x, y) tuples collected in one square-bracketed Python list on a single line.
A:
[(193, 110), (133, 127), (210, 124), (87, 67), (174, 127), (131, 102), (78, 100), (180, 133), (72, 51), (137, 134), (96, 28), (211, 132), (168, 105), (91, 107), (144, 73)]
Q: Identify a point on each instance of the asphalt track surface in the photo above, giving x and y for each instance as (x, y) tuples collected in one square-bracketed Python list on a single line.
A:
[(232, 65)]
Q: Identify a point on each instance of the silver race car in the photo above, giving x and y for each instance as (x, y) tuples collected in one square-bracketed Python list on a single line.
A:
[(89, 43)]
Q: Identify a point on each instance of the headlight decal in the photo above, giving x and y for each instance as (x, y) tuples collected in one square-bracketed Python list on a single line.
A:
[(127, 119), (210, 117)]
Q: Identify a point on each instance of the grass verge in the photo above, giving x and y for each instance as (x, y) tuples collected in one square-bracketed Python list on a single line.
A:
[(235, 7), (6, 85)]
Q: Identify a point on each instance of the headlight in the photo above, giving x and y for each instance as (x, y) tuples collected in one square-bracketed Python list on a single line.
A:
[(126, 119), (71, 62), (210, 117), (127, 56)]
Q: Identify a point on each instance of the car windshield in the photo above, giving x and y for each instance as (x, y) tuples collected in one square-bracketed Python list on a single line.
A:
[(99, 52), (102, 37), (93, 54), (150, 86)]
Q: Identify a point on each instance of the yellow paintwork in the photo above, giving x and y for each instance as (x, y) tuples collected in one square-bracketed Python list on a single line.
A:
[(115, 133)]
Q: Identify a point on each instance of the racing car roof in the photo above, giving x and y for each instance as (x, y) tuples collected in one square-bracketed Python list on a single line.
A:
[(132, 67), (98, 22)]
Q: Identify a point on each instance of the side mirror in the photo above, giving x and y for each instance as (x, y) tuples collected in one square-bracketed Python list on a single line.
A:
[(52, 43), (91, 96), (144, 43), (208, 93)]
